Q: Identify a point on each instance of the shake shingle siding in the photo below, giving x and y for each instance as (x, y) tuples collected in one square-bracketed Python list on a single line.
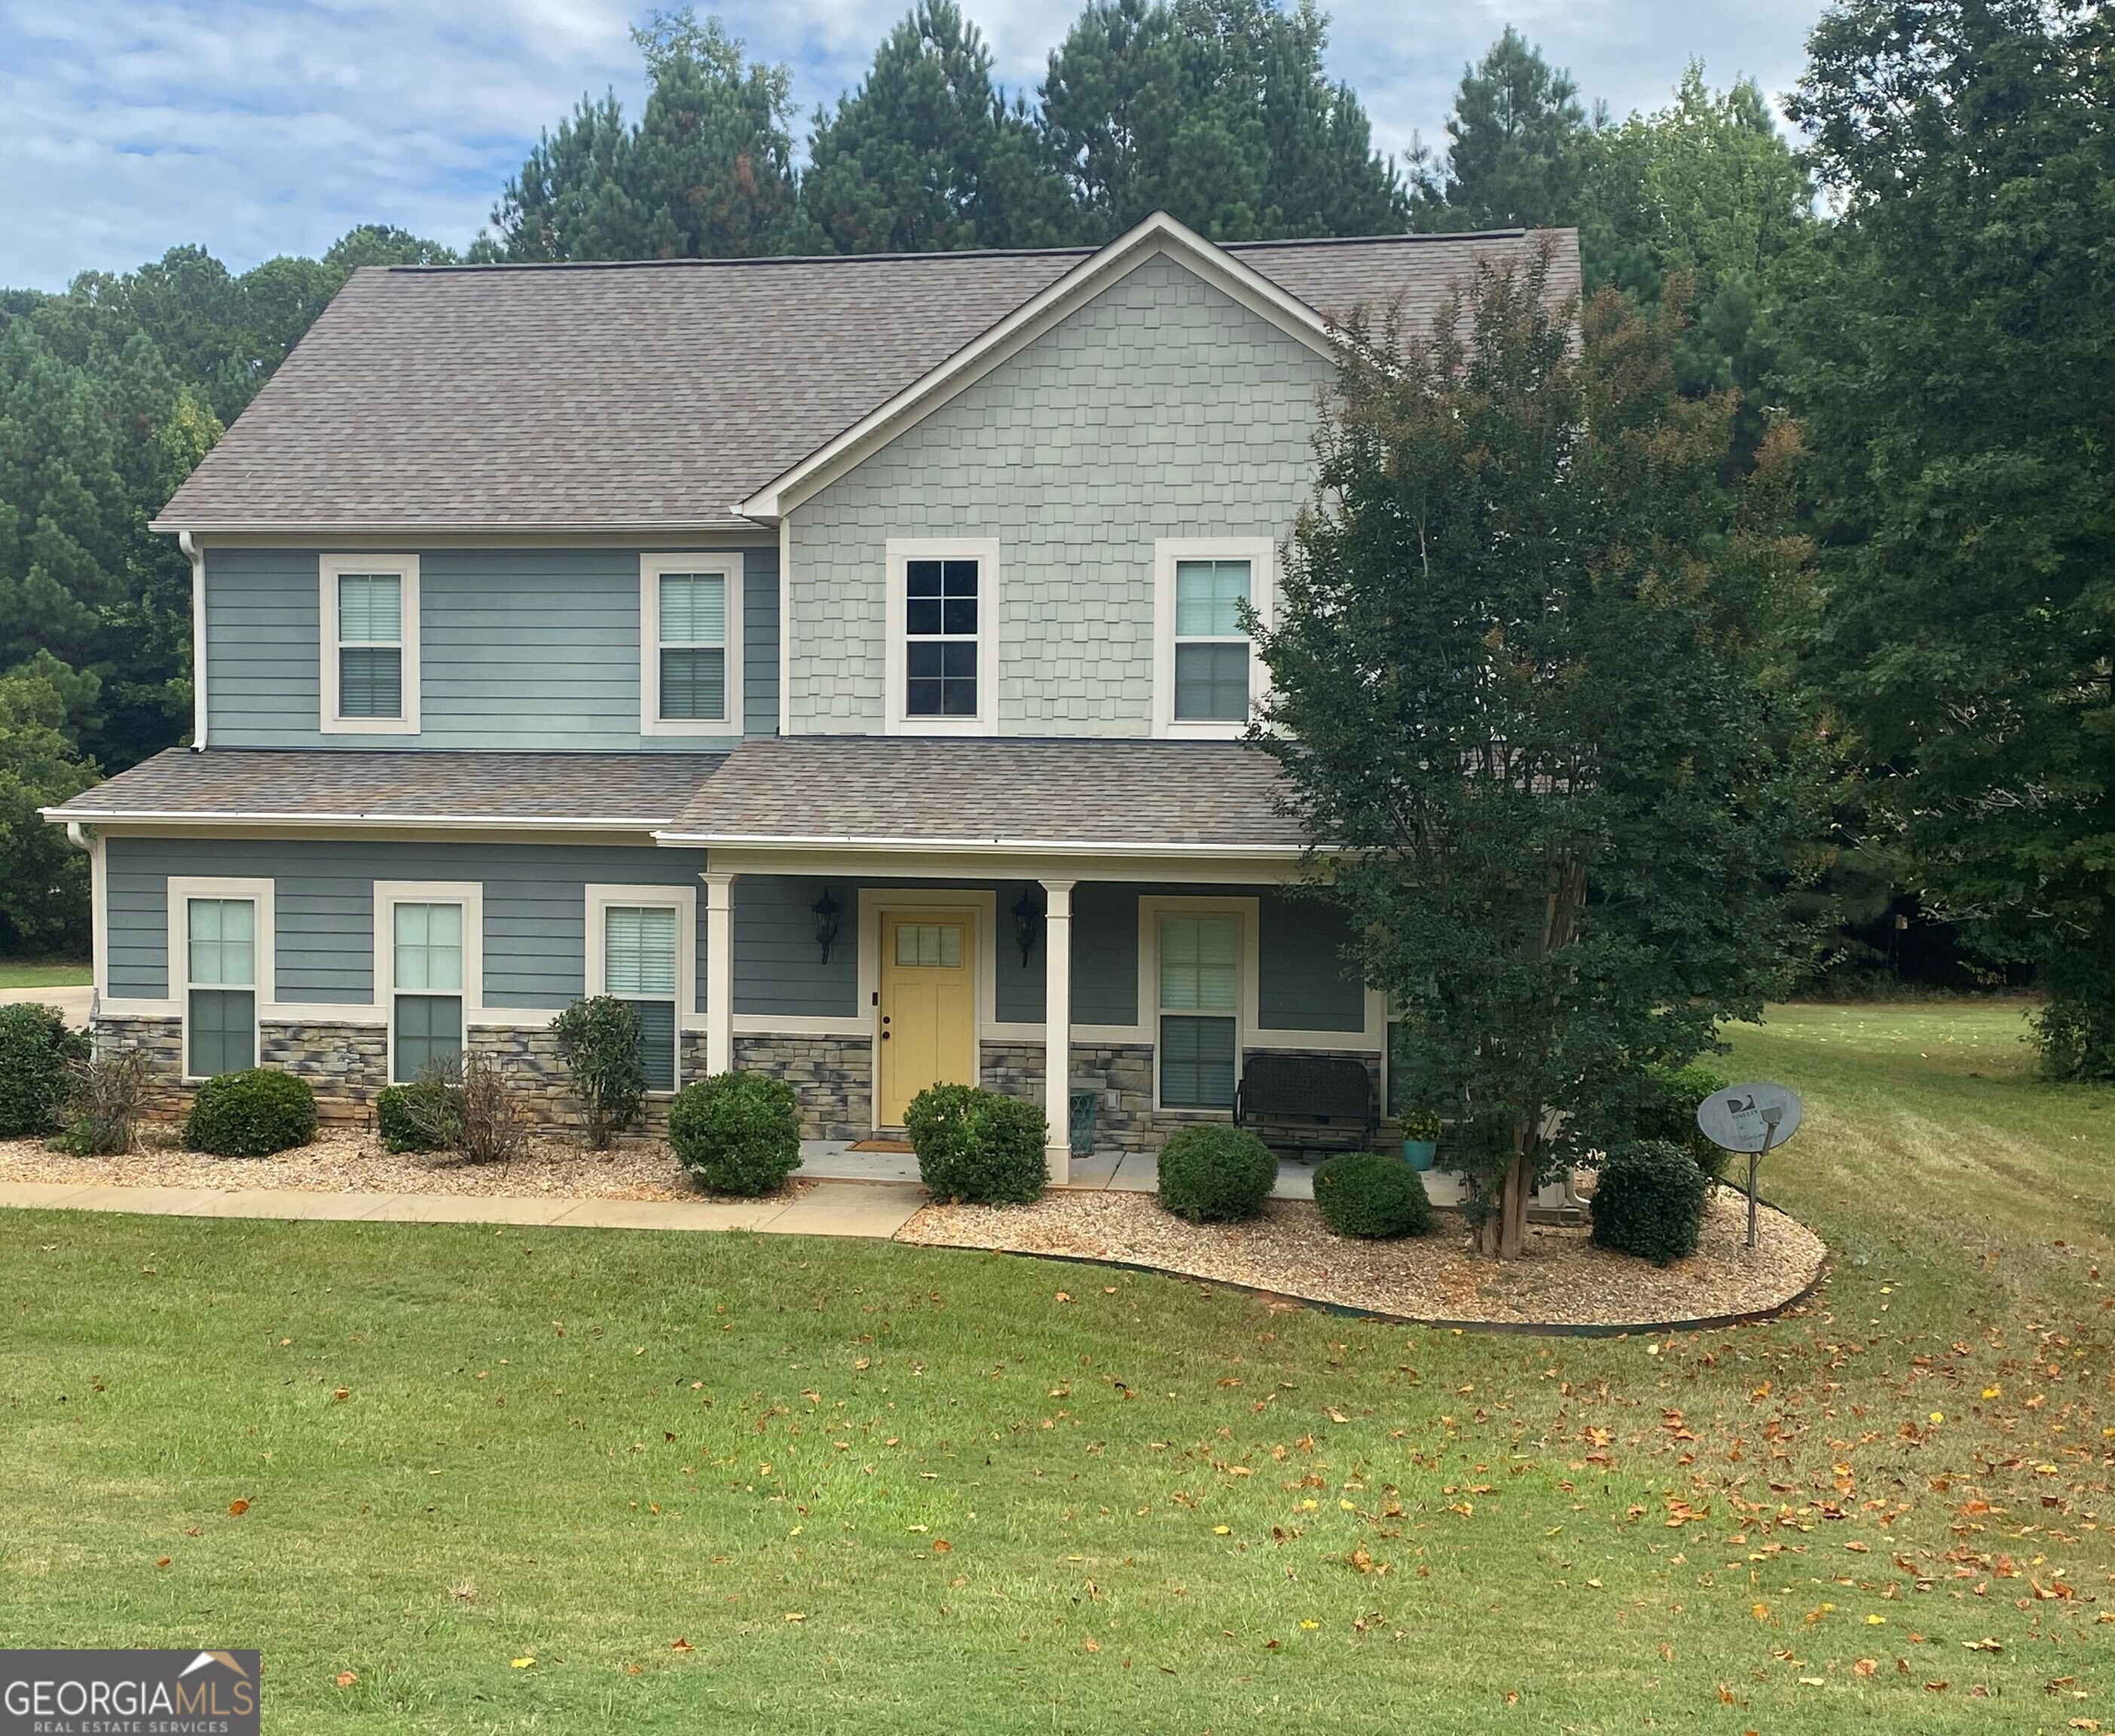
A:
[(1163, 408)]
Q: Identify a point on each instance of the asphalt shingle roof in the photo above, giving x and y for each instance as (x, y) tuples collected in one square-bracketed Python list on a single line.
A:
[(873, 789), (655, 395), (641, 790)]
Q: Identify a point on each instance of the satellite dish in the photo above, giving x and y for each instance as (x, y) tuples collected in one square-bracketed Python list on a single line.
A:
[(1755, 1118)]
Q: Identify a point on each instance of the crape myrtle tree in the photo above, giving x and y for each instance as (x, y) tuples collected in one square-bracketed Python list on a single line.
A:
[(1523, 720), (1957, 337)]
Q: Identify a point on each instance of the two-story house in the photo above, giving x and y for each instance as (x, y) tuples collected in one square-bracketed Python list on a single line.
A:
[(841, 659)]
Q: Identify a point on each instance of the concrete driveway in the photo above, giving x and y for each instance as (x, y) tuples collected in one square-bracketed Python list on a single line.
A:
[(71, 1003)]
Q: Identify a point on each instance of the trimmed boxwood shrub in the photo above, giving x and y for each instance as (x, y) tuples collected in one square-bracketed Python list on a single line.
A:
[(738, 1132), (1650, 1200), (976, 1145), (396, 1119), (1211, 1173), (1667, 1110), (37, 1052), (251, 1113), (1372, 1193)]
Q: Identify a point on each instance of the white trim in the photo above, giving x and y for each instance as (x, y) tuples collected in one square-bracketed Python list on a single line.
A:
[(785, 626), (98, 913), (193, 819), (330, 568), (719, 969), (1073, 846), (1151, 908), (137, 1006), (196, 556), (901, 551), (263, 948), (652, 568), (801, 1025), (1261, 554), (1058, 1029), (320, 1013), (388, 894), (1157, 235), (913, 863), (683, 900)]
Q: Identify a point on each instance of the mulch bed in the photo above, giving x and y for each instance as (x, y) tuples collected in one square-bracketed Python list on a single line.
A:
[(1564, 1280), (345, 1160)]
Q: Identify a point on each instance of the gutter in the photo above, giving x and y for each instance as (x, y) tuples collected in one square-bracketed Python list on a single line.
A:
[(196, 556), (99, 940), (958, 846), (73, 817)]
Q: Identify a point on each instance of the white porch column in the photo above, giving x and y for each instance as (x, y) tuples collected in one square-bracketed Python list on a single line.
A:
[(1057, 1026), (719, 972)]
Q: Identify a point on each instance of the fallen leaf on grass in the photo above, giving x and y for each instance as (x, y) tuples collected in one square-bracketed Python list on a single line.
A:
[(523, 1663), (347, 1678), (797, 1615), (1866, 1668), (1983, 1644), (162, 1561), (237, 1507), (942, 1546), (680, 1644), (1090, 1646), (339, 1394), (1337, 1415)]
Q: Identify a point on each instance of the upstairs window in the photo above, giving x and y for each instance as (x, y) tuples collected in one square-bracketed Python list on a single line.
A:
[(370, 609), (1211, 650), (690, 671), (943, 638), (940, 649), (1207, 678)]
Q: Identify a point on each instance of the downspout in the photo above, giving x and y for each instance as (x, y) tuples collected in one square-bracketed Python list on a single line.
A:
[(196, 556), (99, 944)]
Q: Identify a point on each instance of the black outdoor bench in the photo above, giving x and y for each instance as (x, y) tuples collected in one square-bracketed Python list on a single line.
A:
[(1308, 1101)]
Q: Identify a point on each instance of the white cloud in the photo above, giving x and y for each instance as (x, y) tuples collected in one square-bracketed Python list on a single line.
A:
[(261, 126)]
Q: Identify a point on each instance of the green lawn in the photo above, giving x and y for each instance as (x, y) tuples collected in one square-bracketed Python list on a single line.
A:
[(872, 1488), (44, 973)]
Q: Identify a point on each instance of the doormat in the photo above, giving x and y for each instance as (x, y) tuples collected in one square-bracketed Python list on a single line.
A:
[(882, 1144)]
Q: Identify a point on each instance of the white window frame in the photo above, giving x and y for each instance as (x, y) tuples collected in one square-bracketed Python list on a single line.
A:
[(182, 888), (684, 902), (899, 553), (651, 568), (388, 894), (1261, 554), (330, 569), (1245, 911)]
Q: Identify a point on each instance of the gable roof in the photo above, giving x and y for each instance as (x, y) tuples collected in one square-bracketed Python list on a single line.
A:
[(654, 397)]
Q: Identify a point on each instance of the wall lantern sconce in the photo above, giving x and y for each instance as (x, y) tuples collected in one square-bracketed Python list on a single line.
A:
[(1027, 925), (825, 911)]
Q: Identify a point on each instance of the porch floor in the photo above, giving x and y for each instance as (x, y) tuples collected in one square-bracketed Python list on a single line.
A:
[(1131, 1172)]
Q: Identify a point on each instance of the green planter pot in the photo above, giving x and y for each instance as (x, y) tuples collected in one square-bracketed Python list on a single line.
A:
[(1419, 1153)]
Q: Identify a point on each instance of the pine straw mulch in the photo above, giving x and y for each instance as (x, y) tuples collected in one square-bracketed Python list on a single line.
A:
[(351, 1161), (1564, 1280)]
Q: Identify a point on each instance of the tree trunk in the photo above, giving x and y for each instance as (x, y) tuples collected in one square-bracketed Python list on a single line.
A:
[(1503, 1234)]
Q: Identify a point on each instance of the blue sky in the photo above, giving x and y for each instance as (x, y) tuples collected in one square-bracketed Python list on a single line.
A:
[(263, 126)]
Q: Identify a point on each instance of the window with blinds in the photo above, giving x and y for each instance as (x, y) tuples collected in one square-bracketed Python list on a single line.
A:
[(370, 644), (639, 966), (692, 636), (220, 997), (1200, 1001), (1211, 650)]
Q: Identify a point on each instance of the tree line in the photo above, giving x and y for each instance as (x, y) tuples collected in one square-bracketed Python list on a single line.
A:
[(1919, 360)]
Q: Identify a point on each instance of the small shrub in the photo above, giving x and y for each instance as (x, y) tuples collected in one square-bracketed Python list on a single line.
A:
[(463, 1104), (108, 1094), (1649, 1201), (251, 1113), (600, 1040), (1213, 1173), (1667, 1110), (976, 1145), (403, 1114), (1371, 1193), (738, 1132), (37, 1053)]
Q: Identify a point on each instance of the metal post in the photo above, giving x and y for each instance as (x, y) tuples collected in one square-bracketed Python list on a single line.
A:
[(1770, 1119)]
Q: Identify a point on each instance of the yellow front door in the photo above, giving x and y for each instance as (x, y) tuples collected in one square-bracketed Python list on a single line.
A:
[(929, 1005)]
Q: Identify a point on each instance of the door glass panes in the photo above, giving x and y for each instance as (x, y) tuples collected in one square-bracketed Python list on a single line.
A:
[(639, 966), (1199, 992), (428, 961), (221, 962), (931, 945), (693, 640), (370, 632), (940, 622), (1211, 650)]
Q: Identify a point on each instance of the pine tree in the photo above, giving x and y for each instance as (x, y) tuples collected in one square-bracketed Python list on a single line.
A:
[(1514, 161)]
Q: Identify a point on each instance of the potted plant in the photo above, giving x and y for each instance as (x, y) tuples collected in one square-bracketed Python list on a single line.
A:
[(1421, 1138)]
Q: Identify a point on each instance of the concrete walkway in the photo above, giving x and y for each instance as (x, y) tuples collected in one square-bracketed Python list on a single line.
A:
[(871, 1209), (72, 1002)]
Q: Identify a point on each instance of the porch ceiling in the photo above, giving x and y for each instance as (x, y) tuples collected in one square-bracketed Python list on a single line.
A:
[(1027, 796)]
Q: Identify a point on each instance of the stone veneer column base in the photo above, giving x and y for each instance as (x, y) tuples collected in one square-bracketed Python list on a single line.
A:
[(832, 1079)]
